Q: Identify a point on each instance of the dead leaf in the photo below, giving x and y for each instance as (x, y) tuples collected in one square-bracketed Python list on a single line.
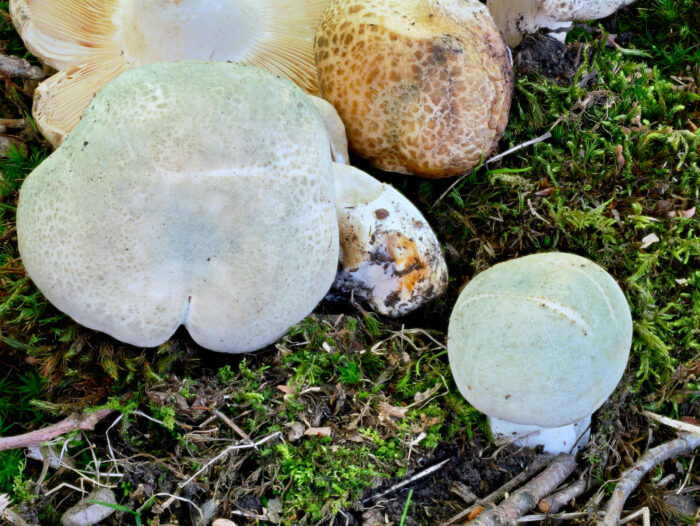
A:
[(649, 240), (391, 411), (682, 213), (285, 389), (296, 431), (420, 397), (318, 432), (545, 192), (475, 513), (223, 522), (620, 157)]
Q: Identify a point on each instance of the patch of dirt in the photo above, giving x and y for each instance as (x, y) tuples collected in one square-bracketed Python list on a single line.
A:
[(476, 465), (544, 54)]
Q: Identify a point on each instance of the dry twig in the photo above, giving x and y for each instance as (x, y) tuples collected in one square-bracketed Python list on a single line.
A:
[(527, 497), (632, 477), (537, 465), (6, 514), (410, 480), (556, 501), (75, 422)]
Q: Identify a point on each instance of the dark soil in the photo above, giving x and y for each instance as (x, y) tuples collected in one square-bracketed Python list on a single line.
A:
[(477, 465)]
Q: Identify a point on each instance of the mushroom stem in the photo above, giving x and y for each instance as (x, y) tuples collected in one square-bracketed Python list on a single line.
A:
[(564, 439)]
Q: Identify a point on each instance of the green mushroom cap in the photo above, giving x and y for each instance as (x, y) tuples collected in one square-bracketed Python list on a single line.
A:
[(191, 193), (540, 340)]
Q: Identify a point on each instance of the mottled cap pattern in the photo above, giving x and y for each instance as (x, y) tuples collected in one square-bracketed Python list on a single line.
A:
[(190, 193), (541, 340), (423, 87)]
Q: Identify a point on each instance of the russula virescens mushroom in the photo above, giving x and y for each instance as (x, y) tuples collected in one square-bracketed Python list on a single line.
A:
[(390, 256), (423, 87), (516, 18), (538, 343), (190, 193), (91, 41)]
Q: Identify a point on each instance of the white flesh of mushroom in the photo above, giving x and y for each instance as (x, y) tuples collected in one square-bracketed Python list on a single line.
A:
[(516, 18), (390, 255)]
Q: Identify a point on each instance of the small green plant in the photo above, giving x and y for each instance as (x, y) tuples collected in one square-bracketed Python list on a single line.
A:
[(405, 508)]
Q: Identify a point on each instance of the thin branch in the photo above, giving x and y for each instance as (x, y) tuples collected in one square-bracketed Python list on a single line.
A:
[(495, 158), (410, 480), (632, 477), (676, 424), (230, 423), (556, 501), (559, 517), (225, 452), (6, 514), (75, 422), (644, 512), (527, 497), (537, 465)]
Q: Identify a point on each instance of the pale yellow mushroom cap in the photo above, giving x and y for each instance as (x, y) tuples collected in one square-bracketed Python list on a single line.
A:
[(92, 41), (423, 87), (190, 193)]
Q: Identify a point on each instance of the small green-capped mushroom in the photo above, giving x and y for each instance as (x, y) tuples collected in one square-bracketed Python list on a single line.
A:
[(538, 343)]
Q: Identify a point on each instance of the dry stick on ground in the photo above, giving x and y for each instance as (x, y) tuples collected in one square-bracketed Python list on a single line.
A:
[(410, 480), (556, 501), (527, 497), (538, 464), (75, 422), (18, 67), (632, 477)]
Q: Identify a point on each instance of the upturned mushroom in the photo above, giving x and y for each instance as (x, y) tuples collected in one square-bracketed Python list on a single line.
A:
[(423, 87), (91, 41), (538, 343), (389, 254), (516, 18), (195, 194)]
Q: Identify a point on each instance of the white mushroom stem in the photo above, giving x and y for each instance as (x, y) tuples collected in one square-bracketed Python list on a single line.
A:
[(390, 256), (516, 18), (564, 439)]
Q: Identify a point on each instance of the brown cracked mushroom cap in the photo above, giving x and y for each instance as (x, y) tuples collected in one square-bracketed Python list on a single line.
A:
[(423, 87), (91, 41)]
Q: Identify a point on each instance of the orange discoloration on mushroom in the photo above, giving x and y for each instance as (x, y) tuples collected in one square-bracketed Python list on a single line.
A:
[(408, 263)]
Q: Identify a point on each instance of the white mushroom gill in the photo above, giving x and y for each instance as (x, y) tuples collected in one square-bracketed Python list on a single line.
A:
[(92, 41)]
